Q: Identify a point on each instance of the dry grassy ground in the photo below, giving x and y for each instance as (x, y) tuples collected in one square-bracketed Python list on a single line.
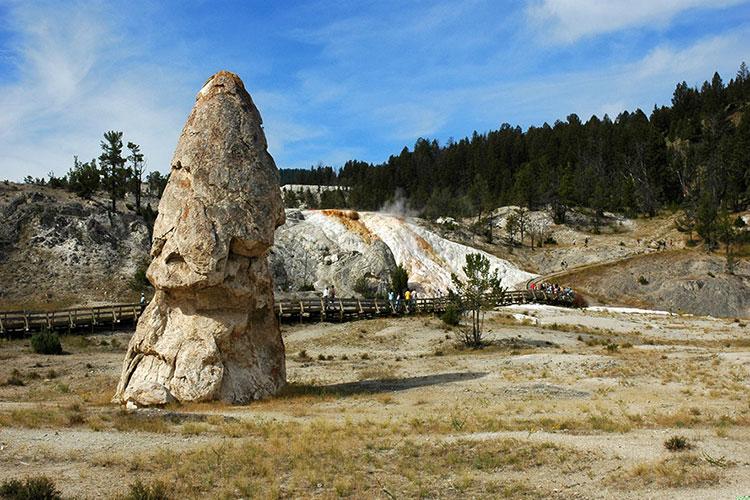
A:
[(563, 404)]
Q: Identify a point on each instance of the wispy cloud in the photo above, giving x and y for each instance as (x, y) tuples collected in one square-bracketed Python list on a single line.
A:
[(335, 81), (77, 79), (571, 20)]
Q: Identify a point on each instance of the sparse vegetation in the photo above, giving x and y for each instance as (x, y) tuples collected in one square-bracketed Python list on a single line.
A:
[(452, 315), (677, 443), (139, 282), (543, 387), (15, 379), (680, 471), (148, 491), (46, 342), (31, 488)]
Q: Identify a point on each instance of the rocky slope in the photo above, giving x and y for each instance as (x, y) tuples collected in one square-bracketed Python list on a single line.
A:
[(324, 247), (57, 249), (689, 281)]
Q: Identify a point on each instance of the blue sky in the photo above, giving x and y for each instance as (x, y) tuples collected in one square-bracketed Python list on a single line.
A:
[(337, 80)]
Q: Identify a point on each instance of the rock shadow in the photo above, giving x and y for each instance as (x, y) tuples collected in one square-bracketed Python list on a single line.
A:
[(521, 343), (376, 386)]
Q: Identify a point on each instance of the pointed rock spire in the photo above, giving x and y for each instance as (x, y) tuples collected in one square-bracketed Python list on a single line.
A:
[(210, 331)]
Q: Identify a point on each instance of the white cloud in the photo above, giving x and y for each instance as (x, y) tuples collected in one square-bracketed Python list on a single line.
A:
[(615, 88), (77, 79), (571, 20)]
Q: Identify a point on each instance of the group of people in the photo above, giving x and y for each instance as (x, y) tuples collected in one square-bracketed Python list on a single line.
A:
[(407, 303), (552, 289), (399, 303)]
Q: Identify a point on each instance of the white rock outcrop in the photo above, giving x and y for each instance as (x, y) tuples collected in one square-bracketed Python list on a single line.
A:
[(210, 332)]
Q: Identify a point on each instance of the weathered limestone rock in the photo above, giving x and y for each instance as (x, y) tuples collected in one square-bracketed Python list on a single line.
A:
[(210, 332)]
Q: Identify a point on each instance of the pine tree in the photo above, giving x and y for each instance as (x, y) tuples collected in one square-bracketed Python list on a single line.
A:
[(112, 165), (136, 165), (477, 293), (84, 178)]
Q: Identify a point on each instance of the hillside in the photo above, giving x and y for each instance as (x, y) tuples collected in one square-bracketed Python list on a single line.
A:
[(677, 281), (606, 265), (57, 249)]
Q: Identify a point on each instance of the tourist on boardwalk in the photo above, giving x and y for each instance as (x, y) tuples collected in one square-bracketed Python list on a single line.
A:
[(325, 296), (392, 299), (143, 301), (407, 300)]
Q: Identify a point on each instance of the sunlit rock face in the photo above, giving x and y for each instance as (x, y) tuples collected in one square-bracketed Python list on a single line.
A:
[(210, 332)]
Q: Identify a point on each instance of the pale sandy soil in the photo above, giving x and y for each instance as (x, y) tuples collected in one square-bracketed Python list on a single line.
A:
[(394, 388)]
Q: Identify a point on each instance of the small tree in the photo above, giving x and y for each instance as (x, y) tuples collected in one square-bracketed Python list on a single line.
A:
[(511, 227), (399, 279), (290, 199), (156, 183), (84, 179), (113, 166), (687, 221), (136, 166), (727, 234), (707, 216), (476, 294), (522, 222)]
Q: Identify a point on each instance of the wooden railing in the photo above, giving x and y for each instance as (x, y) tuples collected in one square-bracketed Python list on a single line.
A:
[(343, 309), (71, 319), (336, 309)]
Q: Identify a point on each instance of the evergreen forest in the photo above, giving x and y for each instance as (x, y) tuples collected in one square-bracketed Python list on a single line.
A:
[(693, 155)]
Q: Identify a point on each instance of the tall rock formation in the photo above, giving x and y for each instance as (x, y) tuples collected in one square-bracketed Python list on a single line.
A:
[(210, 332)]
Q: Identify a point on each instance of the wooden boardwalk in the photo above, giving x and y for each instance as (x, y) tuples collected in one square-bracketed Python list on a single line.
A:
[(14, 322), (287, 310)]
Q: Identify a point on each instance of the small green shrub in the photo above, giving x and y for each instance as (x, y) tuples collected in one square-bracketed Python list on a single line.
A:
[(452, 315), (31, 488), (677, 443), (307, 287), (362, 287), (642, 280), (139, 281), (141, 491), (46, 342)]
